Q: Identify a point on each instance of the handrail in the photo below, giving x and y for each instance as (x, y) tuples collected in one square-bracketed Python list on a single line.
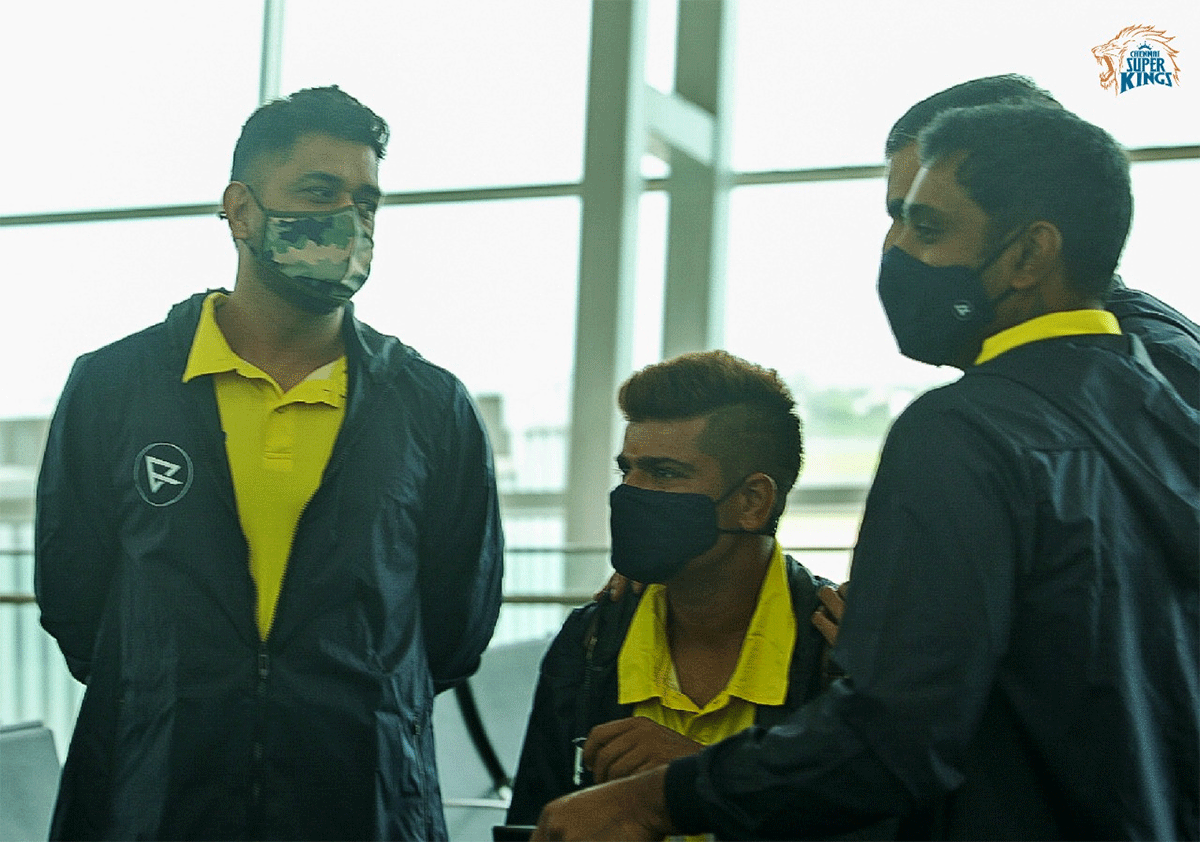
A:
[(527, 191), (507, 599)]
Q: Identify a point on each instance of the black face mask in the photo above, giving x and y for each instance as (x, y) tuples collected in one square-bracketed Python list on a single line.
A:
[(656, 533), (936, 312)]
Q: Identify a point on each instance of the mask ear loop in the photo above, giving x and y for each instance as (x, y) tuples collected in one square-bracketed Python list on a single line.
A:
[(259, 250), (996, 255)]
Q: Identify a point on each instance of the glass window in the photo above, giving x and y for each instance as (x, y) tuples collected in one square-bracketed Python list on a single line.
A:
[(820, 85), (124, 104), (803, 261), (487, 290), (477, 94), (87, 284), (1158, 257)]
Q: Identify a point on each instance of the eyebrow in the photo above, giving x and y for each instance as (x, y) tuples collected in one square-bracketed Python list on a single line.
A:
[(317, 175), (366, 191), (649, 462), (895, 207), (911, 211)]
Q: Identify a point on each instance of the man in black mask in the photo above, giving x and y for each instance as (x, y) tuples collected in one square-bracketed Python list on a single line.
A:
[(722, 639), (1023, 641), (1171, 338)]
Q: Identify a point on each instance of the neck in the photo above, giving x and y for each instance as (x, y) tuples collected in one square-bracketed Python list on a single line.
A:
[(712, 607), (282, 340)]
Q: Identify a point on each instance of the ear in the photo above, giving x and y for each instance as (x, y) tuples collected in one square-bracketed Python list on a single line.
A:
[(237, 207), (757, 501), (1040, 256)]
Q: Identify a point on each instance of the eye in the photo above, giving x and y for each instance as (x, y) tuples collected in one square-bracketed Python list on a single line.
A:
[(926, 233), (367, 208), (321, 194)]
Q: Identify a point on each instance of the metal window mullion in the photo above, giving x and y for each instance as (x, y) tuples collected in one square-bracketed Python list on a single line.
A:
[(698, 188), (531, 191), (611, 190), (270, 67)]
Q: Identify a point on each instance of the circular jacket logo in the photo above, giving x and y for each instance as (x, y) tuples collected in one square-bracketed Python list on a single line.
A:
[(162, 473)]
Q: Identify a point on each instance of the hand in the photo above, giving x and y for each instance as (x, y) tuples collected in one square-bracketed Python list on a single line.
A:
[(625, 747), (628, 809), (828, 617), (615, 588)]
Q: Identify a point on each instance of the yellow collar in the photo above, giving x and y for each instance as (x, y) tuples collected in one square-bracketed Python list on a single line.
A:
[(1049, 326), (211, 354), (645, 669)]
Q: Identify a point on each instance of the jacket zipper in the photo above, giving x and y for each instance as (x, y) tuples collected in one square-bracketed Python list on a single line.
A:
[(262, 672)]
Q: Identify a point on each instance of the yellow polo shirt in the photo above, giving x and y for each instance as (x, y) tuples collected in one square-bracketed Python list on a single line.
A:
[(646, 675), (278, 445), (1049, 326)]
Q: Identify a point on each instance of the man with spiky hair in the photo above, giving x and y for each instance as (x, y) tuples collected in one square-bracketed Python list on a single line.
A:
[(1022, 641), (267, 534), (721, 639)]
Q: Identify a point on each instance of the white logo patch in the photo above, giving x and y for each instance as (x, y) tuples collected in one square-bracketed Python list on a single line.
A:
[(162, 473)]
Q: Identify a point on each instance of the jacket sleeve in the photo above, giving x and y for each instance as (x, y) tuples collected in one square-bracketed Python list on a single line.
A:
[(462, 547), (933, 584), (76, 548)]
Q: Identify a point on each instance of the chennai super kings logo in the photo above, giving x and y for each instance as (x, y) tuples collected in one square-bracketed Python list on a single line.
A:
[(1136, 56)]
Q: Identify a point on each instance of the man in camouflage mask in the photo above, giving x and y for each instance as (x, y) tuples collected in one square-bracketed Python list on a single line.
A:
[(255, 433), (317, 259)]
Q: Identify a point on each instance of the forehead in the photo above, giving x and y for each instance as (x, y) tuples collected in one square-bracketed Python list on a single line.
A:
[(355, 163), (677, 439), (902, 169), (937, 188)]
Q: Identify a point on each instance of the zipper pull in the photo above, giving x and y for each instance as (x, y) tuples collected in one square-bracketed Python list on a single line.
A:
[(578, 743), (264, 669)]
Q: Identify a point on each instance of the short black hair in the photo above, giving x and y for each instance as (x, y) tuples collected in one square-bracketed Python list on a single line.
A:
[(752, 425), (275, 127), (1010, 87), (1028, 162)]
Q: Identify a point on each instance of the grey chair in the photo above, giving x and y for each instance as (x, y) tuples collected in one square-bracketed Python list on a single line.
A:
[(29, 771)]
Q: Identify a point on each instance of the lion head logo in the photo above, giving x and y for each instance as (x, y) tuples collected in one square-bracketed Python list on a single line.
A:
[(1112, 56)]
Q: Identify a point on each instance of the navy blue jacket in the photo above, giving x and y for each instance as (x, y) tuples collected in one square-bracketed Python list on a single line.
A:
[(1022, 642), (193, 728), (1171, 338)]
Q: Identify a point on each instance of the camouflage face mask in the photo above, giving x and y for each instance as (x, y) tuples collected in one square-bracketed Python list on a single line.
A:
[(328, 255)]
